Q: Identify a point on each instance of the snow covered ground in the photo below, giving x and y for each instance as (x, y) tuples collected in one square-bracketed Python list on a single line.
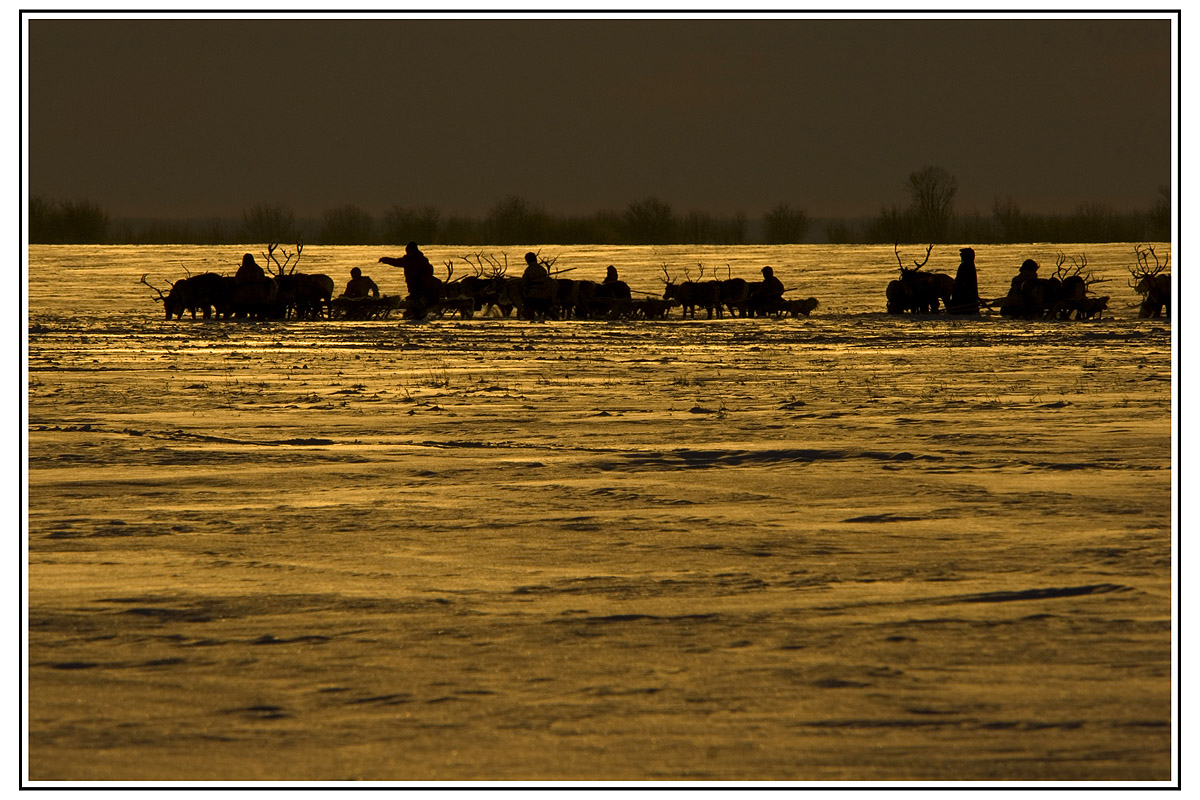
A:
[(852, 547)]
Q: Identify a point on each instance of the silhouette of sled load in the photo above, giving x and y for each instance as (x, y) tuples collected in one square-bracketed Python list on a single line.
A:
[(363, 308)]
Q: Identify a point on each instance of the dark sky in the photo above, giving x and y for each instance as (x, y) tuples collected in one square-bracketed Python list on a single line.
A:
[(204, 117)]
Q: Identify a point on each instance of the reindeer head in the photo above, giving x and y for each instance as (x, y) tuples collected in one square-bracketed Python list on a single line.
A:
[(1145, 278), (671, 290), (174, 301), (162, 298)]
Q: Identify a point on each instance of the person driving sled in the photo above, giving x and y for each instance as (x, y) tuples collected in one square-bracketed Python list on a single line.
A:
[(360, 285), (769, 294)]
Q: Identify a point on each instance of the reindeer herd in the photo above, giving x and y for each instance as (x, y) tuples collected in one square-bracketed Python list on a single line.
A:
[(1064, 295), (252, 293), (741, 298), (280, 292), (491, 291)]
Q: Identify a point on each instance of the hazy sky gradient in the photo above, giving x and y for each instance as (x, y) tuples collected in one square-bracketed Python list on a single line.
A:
[(208, 117)]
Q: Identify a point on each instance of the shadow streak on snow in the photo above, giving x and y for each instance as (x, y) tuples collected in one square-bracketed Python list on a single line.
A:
[(179, 435), (154, 611), (704, 459), (1049, 593), (1033, 594), (617, 618)]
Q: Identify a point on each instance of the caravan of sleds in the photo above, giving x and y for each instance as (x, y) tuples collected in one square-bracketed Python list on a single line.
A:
[(1064, 295), (284, 293)]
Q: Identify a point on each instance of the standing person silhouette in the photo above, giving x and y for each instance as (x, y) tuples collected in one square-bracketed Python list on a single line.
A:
[(423, 288), (537, 288), (249, 271), (964, 297)]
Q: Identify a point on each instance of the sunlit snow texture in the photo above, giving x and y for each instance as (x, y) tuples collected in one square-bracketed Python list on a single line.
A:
[(848, 547)]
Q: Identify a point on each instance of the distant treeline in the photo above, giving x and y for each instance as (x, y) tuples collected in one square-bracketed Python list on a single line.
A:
[(929, 218)]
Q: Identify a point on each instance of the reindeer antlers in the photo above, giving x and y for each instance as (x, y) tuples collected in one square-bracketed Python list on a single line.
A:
[(288, 258), (494, 268), (1062, 271), (1078, 265), (161, 296), (1143, 269), (1144, 256), (916, 266), (269, 256)]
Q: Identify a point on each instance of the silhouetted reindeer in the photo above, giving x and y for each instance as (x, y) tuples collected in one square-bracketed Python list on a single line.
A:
[(689, 294), (300, 295), (916, 291), (735, 294), (1073, 287), (1152, 283), (206, 293), (1058, 297)]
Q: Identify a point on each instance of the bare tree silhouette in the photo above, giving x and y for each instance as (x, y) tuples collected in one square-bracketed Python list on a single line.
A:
[(786, 225), (422, 224), (514, 220), (648, 221), (347, 224), (932, 190), (267, 222)]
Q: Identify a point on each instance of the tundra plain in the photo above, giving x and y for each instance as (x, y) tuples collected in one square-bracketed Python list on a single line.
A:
[(853, 547)]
